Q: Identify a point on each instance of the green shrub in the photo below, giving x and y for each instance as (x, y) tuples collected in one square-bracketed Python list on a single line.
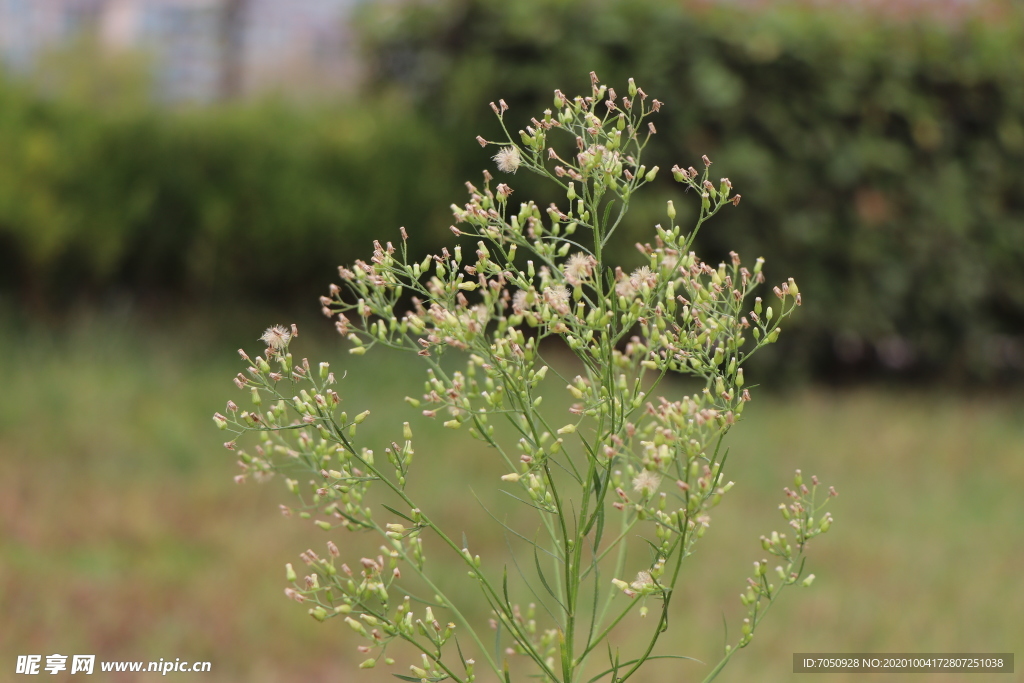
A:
[(881, 159), (265, 199)]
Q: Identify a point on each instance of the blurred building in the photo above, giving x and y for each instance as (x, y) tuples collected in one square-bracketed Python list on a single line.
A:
[(202, 50)]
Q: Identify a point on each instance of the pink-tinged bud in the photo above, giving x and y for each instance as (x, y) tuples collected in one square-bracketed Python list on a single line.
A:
[(293, 594), (707, 162), (495, 109), (655, 104), (651, 128), (333, 549), (832, 491), (239, 478), (504, 107), (230, 445), (397, 573)]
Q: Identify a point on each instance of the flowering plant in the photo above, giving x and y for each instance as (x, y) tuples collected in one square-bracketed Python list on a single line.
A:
[(622, 463)]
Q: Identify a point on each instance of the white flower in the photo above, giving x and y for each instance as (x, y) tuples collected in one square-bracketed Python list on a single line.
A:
[(519, 301), (647, 482), (558, 298), (625, 289), (276, 337), (643, 579), (578, 267), (507, 159), (643, 276)]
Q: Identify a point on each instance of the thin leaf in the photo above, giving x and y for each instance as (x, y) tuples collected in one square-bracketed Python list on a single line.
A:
[(544, 581), (396, 512), (526, 502), (522, 575), (513, 531), (634, 661)]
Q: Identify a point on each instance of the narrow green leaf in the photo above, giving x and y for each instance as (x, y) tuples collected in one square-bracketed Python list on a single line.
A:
[(544, 581), (396, 512)]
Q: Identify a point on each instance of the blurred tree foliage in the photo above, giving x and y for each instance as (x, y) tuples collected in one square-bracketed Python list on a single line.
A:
[(102, 190), (881, 163)]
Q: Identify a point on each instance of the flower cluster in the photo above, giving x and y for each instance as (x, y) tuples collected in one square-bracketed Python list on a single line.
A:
[(518, 282)]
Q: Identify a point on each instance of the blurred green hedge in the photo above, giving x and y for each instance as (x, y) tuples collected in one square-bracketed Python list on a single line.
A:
[(243, 201), (881, 163)]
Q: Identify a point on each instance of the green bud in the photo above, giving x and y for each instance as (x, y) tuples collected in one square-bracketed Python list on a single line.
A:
[(355, 626), (652, 174), (368, 664), (361, 417), (289, 572), (326, 526), (808, 581), (671, 210)]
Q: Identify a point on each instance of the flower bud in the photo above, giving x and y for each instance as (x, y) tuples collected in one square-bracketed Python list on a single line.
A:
[(358, 419), (356, 626)]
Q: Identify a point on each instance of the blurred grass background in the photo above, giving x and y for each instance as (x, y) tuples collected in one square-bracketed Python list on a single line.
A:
[(880, 152), (124, 535)]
